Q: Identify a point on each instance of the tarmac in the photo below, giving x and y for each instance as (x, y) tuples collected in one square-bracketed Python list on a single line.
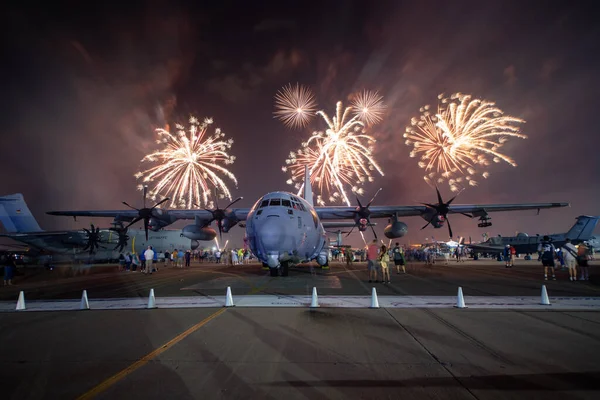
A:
[(295, 352)]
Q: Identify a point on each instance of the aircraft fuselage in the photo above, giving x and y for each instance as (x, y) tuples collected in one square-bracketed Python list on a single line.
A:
[(284, 228)]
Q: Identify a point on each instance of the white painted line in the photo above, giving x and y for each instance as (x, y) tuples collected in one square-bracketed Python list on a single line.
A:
[(481, 302)]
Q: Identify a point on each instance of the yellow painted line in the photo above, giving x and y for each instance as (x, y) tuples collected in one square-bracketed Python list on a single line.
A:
[(148, 357)]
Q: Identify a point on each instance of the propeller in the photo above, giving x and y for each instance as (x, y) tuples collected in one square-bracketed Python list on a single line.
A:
[(144, 213), (219, 214), (442, 209), (123, 238), (93, 238), (363, 212)]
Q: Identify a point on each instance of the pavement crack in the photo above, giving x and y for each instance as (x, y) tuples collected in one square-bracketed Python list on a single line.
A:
[(433, 356)]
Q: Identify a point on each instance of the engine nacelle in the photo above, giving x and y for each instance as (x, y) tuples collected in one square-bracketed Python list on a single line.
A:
[(194, 244), (156, 224), (395, 230), (196, 232), (436, 220)]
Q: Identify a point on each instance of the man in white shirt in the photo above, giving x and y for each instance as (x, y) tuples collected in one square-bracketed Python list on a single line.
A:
[(149, 255), (570, 257)]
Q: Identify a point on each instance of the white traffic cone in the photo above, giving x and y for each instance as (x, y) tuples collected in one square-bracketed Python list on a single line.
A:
[(374, 300), (315, 299), (545, 299), (151, 300), (21, 301), (460, 300), (85, 305), (229, 298)]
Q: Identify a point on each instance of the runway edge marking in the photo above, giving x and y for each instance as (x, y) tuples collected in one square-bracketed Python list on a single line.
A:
[(147, 358)]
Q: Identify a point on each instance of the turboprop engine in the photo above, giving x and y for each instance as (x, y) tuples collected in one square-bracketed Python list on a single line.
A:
[(395, 230), (196, 232)]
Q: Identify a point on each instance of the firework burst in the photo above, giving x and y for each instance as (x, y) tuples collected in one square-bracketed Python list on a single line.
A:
[(369, 107), (295, 106), (339, 159), (456, 143), (189, 165)]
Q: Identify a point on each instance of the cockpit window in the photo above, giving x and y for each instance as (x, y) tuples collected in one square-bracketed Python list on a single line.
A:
[(264, 203), (275, 202), (286, 203)]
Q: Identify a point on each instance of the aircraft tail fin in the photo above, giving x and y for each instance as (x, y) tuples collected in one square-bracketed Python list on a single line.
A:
[(15, 215), (583, 228), (308, 194)]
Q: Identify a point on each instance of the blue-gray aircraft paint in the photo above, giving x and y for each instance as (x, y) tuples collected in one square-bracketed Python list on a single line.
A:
[(22, 226), (581, 231)]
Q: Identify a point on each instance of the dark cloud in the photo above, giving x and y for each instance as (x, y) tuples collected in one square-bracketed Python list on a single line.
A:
[(83, 95)]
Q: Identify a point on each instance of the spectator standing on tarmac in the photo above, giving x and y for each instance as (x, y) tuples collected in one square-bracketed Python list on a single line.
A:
[(583, 252), (547, 249), (149, 256), (508, 258), (398, 258), (372, 260), (188, 256), (384, 261), (570, 256)]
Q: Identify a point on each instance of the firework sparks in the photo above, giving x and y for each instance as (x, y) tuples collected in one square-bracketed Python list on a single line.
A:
[(189, 165), (339, 159), (295, 106), (460, 138), (369, 107)]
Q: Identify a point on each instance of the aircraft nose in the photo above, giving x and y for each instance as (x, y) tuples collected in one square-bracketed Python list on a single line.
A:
[(271, 233)]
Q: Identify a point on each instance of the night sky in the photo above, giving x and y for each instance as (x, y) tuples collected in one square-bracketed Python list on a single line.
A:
[(84, 85)]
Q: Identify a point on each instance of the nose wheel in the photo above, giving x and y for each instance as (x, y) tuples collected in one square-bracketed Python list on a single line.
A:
[(284, 267)]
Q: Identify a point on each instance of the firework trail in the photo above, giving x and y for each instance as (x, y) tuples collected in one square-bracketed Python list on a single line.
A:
[(460, 139), (339, 159), (189, 165), (295, 106)]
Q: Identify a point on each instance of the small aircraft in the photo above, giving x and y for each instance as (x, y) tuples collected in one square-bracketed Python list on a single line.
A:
[(525, 244), (284, 229), (103, 244)]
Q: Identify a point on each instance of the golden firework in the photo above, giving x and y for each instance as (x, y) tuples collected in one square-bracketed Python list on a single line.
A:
[(295, 105), (460, 138), (189, 165), (340, 159), (369, 107)]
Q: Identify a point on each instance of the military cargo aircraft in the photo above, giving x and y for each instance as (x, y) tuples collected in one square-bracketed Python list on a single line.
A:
[(284, 229)]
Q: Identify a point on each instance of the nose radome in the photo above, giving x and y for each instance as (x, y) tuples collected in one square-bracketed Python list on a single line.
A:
[(271, 233)]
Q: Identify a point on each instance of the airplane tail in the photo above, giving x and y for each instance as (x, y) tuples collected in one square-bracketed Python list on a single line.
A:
[(583, 228), (308, 194), (15, 215)]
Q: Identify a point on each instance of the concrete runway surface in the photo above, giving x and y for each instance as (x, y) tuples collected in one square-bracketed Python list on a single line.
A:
[(300, 353)]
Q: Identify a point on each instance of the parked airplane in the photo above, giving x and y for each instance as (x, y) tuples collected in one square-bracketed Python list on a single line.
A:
[(95, 243), (284, 229), (525, 244)]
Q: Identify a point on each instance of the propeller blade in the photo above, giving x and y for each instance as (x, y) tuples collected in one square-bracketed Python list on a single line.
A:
[(133, 222), (146, 221), (449, 227), (439, 196), (159, 203), (376, 193), (466, 215), (373, 229), (426, 225), (233, 202), (351, 231), (358, 201), (145, 192), (133, 208), (220, 229)]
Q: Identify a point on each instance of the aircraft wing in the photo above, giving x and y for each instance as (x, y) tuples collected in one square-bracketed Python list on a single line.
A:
[(482, 248), (240, 213), (339, 224), (477, 210)]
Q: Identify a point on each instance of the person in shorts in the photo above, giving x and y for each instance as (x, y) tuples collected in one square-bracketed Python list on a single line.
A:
[(398, 258), (548, 253), (372, 254)]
